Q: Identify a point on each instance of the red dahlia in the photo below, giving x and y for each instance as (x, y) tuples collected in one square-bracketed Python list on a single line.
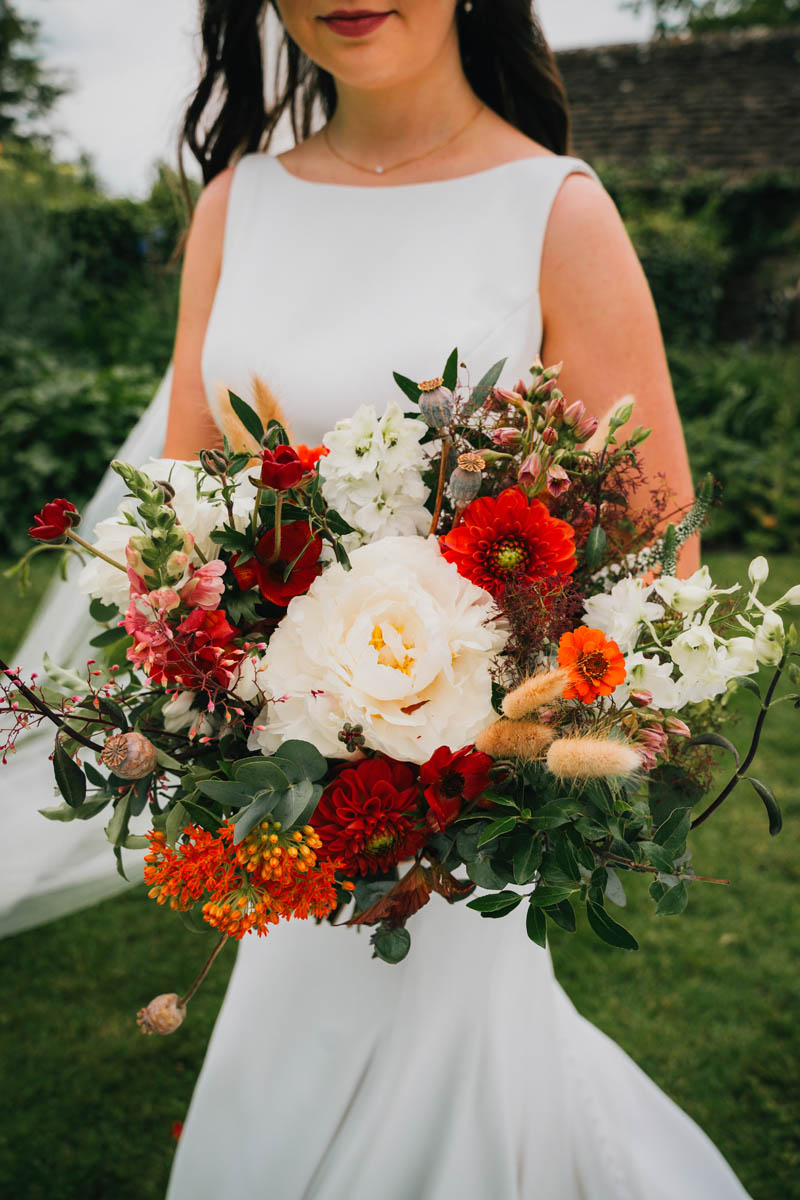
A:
[(52, 523), (450, 780), (368, 817), (509, 539), (268, 576)]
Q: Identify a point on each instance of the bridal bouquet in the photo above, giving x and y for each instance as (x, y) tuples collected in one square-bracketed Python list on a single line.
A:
[(434, 654)]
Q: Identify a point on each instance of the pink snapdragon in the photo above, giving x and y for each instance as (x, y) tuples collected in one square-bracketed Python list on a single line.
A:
[(204, 588)]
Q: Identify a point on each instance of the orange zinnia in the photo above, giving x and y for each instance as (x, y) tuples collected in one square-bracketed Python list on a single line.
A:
[(595, 664)]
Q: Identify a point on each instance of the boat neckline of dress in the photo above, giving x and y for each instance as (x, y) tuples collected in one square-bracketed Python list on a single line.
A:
[(401, 187)]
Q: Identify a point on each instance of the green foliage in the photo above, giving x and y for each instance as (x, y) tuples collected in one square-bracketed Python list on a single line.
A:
[(28, 90), (708, 16), (66, 422), (740, 413)]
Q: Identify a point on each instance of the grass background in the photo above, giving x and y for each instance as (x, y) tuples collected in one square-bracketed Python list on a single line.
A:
[(708, 1007)]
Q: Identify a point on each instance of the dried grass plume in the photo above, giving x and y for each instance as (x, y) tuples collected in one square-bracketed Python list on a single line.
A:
[(592, 758), (535, 692), (526, 740), (265, 403)]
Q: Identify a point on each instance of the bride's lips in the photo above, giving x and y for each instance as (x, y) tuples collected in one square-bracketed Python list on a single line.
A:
[(354, 23)]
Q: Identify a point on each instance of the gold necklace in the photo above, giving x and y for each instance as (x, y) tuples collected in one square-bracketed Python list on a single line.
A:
[(406, 161)]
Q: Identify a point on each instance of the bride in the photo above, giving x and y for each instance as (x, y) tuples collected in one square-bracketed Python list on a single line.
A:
[(435, 206)]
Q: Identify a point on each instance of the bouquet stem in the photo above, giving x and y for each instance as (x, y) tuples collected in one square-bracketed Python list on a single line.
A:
[(437, 510), (192, 992), (46, 711)]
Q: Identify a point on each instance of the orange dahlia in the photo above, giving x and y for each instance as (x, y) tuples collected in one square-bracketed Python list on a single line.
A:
[(595, 664), (509, 539)]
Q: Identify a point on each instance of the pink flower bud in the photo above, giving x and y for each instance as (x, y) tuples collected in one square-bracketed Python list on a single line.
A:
[(641, 698), (530, 472), (554, 409), (558, 481), (654, 737), (574, 413), (675, 727), (507, 437), (521, 387), (549, 436), (504, 396), (585, 429), (649, 760)]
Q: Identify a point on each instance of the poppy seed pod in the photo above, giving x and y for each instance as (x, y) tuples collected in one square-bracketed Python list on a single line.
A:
[(436, 407), (466, 479), (129, 755), (164, 1014)]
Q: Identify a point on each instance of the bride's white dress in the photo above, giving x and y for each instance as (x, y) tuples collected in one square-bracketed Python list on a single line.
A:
[(463, 1072)]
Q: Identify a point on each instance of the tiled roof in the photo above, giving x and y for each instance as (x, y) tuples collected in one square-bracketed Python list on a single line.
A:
[(724, 101)]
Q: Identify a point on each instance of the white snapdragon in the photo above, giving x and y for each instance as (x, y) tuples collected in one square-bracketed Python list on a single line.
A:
[(622, 612), (687, 596), (769, 639), (702, 660), (372, 475)]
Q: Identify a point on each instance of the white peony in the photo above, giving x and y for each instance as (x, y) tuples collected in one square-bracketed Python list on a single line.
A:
[(401, 645), (372, 475), (621, 612)]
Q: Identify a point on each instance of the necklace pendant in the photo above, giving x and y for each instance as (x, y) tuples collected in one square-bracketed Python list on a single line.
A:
[(379, 170)]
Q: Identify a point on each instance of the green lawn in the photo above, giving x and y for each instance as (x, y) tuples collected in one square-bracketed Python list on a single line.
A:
[(708, 1006)]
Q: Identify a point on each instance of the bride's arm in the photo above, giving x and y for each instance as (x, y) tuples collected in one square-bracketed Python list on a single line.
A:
[(190, 426), (599, 317)]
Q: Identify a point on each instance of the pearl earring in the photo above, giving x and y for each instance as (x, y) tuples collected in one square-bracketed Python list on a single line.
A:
[(467, 6)]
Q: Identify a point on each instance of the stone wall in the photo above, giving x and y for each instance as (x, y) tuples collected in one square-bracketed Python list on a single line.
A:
[(721, 101)]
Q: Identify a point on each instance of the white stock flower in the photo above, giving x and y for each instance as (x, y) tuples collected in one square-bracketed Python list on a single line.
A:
[(621, 612), (741, 656), (401, 645), (769, 639), (648, 673), (373, 475), (688, 595)]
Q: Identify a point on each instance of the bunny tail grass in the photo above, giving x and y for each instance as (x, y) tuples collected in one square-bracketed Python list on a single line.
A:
[(526, 740), (534, 692), (592, 758)]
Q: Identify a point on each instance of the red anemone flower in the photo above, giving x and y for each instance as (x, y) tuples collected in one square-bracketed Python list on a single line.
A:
[(52, 523), (281, 468), (368, 817), (452, 779), (509, 539), (268, 576), (310, 455)]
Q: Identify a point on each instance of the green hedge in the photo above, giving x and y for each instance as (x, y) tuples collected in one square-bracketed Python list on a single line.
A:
[(67, 421), (740, 409)]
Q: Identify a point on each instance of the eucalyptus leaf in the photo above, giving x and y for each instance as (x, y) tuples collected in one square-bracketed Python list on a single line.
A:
[(673, 901), (498, 903), (392, 945), (117, 827), (527, 857), (260, 774), (615, 892), (65, 812), (69, 681), (546, 895), (248, 818), (482, 871), (673, 832), (247, 416), (177, 817), (563, 915), (103, 613), (166, 760), (770, 803), (306, 759), (609, 930), (659, 856), (496, 829), (69, 777), (291, 808), (536, 926), (228, 793)]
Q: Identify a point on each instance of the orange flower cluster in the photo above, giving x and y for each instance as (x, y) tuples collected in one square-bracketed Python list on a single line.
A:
[(595, 663), (250, 886)]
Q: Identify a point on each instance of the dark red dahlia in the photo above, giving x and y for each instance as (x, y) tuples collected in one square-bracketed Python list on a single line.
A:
[(450, 780), (52, 523), (368, 816), (509, 538), (268, 576), (281, 468)]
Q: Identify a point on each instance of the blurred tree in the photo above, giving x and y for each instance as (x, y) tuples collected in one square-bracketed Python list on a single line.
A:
[(703, 16), (28, 90)]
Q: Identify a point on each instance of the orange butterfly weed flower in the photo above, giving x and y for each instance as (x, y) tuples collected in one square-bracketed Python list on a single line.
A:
[(269, 875), (595, 663)]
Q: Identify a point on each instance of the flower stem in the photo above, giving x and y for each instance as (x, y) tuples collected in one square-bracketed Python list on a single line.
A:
[(744, 766), (276, 552), (48, 712), (437, 510), (184, 1000), (97, 553)]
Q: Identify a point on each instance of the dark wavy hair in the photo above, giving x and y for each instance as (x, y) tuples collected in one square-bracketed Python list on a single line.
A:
[(506, 59)]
